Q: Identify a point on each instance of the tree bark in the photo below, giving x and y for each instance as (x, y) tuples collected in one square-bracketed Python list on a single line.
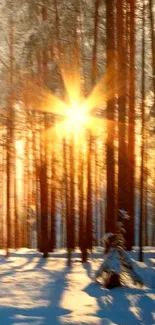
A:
[(89, 234), (141, 210), (44, 191), (53, 196), (67, 207), (10, 133), (121, 83), (94, 56), (110, 223), (131, 130)]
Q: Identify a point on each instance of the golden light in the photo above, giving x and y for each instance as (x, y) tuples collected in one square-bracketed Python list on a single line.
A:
[(72, 106), (19, 147), (76, 117)]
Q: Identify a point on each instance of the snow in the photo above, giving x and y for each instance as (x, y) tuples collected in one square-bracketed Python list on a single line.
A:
[(37, 291), (124, 214)]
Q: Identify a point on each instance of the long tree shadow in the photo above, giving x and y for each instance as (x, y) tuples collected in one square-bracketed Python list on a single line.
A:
[(13, 269), (122, 305), (89, 270), (49, 313)]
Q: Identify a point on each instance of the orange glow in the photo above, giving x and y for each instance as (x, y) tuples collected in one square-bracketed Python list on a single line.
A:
[(76, 117), (74, 107), (19, 148)]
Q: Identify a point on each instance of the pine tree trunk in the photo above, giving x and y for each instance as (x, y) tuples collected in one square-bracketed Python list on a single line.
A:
[(131, 129), (10, 133), (153, 213), (151, 10), (152, 25), (94, 56), (121, 83), (35, 176), (58, 33), (141, 210), (38, 226), (110, 223), (146, 188), (96, 193), (72, 192), (53, 198), (1, 196), (89, 234), (102, 223), (16, 228), (82, 221), (29, 182), (44, 191), (62, 231), (67, 208)]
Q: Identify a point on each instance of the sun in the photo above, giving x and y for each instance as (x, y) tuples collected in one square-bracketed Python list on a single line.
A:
[(76, 117)]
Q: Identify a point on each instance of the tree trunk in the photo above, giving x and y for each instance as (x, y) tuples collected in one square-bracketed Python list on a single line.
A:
[(1, 195), (10, 133), (44, 191), (131, 130), (121, 83), (82, 221), (146, 187), (89, 234), (58, 33), (72, 192), (17, 233), (53, 196), (153, 213), (141, 210), (94, 56), (96, 192), (67, 200), (110, 223), (151, 10)]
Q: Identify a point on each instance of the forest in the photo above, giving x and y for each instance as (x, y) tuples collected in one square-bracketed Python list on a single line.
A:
[(77, 117)]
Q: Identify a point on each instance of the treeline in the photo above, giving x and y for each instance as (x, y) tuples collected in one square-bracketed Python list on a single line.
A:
[(72, 184)]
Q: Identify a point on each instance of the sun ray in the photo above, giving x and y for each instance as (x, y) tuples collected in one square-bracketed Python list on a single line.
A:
[(69, 68), (71, 78), (41, 98), (103, 91), (75, 110)]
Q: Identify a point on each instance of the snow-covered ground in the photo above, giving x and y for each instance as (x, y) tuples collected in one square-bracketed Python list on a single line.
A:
[(37, 291)]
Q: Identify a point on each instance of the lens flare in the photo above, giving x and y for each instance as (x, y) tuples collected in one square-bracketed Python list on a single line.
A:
[(76, 117)]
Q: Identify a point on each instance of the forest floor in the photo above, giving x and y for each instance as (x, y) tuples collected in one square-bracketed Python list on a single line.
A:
[(37, 291)]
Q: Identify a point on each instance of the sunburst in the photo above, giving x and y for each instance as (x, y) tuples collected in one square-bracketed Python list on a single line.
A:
[(75, 110)]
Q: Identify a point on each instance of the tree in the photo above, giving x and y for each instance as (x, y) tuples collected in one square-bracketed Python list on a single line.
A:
[(141, 211), (94, 57), (152, 44), (89, 234), (67, 208), (110, 49), (145, 226), (53, 195), (96, 187), (10, 120), (131, 129), (72, 191), (153, 212), (82, 217), (121, 80), (44, 247)]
